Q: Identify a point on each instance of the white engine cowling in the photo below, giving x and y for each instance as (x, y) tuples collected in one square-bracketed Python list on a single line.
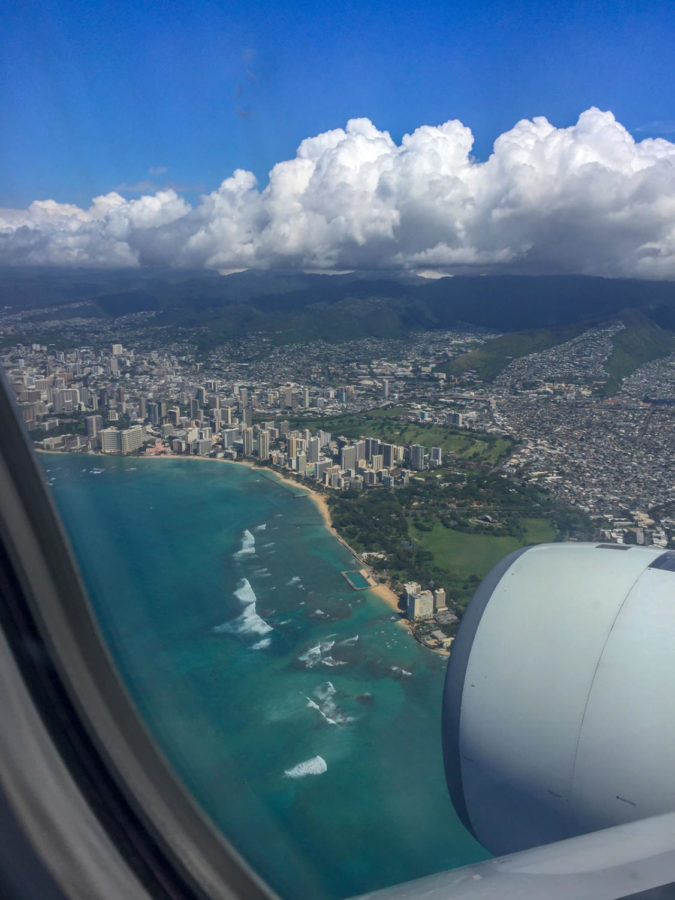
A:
[(559, 705)]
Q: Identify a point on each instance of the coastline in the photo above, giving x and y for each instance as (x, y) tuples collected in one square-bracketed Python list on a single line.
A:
[(383, 591)]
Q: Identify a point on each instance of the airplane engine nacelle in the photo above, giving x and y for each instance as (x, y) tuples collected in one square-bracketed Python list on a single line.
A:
[(559, 705)]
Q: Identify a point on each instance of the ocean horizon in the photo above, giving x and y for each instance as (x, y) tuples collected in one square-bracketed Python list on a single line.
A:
[(302, 716)]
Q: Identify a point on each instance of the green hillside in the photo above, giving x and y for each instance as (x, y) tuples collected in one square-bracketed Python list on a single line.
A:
[(492, 357), (639, 342)]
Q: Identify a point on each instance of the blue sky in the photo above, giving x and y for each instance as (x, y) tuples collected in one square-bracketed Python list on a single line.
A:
[(101, 94)]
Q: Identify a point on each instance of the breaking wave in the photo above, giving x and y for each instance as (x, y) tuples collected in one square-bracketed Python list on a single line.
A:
[(261, 527), (319, 655), (400, 671), (247, 545), (324, 704), (350, 641), (314, 766), (248, 621), (260, 645)]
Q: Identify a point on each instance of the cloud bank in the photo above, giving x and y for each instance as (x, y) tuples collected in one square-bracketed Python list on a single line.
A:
[(587, 199)]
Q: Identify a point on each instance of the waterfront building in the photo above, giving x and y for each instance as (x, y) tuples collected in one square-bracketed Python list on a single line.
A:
[(420, 605), (411, 588), (203, 446), (111, 440), (131, 439)]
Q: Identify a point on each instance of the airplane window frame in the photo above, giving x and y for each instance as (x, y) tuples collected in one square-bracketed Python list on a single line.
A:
[(46, 616)]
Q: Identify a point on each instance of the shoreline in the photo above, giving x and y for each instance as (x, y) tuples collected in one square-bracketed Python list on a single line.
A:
[(381, 590)]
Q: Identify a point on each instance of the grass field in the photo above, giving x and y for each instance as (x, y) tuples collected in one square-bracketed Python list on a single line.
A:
[(389, 425), (463, 555)]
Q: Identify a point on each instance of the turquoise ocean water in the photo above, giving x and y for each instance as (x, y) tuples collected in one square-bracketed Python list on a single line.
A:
[(304, 719)]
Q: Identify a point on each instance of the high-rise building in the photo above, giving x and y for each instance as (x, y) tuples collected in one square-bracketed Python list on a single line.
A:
[(305, 397), (94, 425), (143, 408), (264, 445), (301, 466), (436, 458), (348, 457), (153, 412), (323, 465), (377, 462), (439, 599), (417, 456), (313, 449), (174, 415), (372, 446), (131, 439), (421, 605), (385, 387), (455, 418), (117, 349), (387, 451), (294, 445), (111, 440), (247, 437)]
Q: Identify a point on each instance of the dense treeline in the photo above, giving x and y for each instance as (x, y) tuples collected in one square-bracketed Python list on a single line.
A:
[(416, 530)]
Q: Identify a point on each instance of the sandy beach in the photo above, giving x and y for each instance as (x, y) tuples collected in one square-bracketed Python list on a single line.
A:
[(383, 591)]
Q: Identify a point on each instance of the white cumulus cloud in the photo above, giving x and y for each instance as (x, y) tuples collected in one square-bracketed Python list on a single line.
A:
[(587, 199)]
